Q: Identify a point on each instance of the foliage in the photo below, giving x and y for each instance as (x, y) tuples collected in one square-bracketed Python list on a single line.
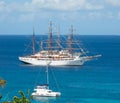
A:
[(2, 82), (22, 99)]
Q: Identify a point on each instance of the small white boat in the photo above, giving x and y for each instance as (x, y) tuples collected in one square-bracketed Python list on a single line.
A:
[(43, 90)]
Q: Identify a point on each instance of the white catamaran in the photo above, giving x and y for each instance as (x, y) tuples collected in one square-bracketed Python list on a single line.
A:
[(43, 90), (57, 54)]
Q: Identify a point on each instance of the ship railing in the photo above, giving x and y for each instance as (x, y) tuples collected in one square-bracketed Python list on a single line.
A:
[(55, 59)]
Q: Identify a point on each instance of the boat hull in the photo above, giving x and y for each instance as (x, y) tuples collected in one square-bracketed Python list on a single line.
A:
[(52, 94), (35, 61)]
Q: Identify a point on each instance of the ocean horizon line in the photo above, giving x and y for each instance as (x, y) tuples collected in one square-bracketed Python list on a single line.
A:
[(61, 34)]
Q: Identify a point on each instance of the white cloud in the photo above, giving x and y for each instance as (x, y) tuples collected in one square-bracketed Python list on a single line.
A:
[(57, 5), (118, 15), (3, 7), (95, 15), (2, 3), (11, 7), (114, 2), (49, 5), (36, 9), (108, 15), (26, 17), (62, 5)]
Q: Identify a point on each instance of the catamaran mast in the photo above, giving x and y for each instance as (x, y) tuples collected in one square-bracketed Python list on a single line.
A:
[(47, 74)]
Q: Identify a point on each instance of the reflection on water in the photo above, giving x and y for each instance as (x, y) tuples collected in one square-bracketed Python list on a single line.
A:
[(44, 99)]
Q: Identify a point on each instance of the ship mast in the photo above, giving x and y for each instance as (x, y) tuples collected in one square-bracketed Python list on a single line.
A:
[(50, 39), (59, 38), (41, 45), (33, 41), (70, 40)]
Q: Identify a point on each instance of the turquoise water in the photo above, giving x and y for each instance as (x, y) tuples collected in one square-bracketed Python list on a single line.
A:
[(97, 81)]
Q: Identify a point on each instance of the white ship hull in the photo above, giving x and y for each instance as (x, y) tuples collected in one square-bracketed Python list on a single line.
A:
[(36, 61)]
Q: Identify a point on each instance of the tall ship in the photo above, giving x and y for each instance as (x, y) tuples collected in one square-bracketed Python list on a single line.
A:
[(56, 53)]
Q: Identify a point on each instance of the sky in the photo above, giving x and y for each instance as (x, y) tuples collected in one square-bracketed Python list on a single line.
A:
[(88, 17)]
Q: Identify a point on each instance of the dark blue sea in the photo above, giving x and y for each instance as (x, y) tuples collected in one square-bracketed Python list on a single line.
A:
[(97, 81)]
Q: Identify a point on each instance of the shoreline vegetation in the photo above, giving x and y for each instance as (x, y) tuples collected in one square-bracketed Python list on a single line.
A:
[(2, 84), (22, 99)]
